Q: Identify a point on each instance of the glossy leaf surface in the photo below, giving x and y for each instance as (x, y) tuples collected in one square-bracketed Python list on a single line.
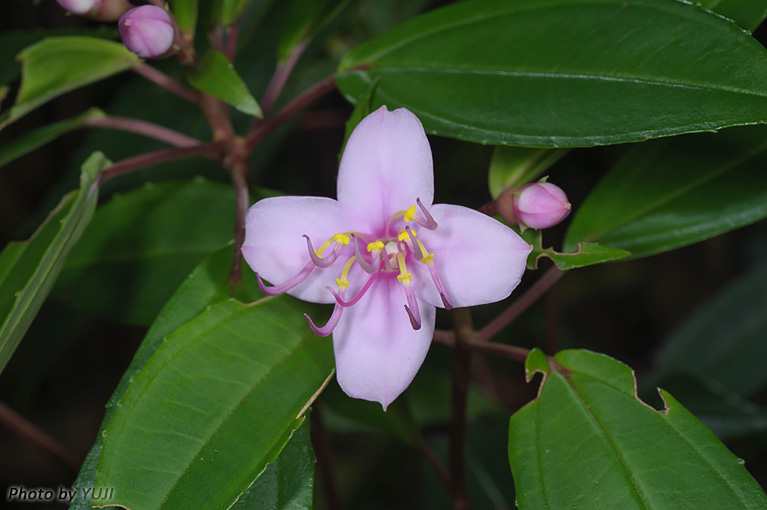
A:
[(617, 71), (141, 245), (29, 270), (215, 75), (588, 442), (206, 285), (215, 404), (57, 65), (670, 193)]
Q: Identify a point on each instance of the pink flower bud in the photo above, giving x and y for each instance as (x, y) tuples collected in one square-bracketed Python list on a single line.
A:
[(147, 31), (536, 205), (80, 6)]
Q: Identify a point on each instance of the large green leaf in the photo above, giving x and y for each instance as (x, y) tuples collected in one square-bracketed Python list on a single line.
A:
[(141, 245), (287, 483), (214, 405), (57, 65), (206, 285), (670, 193), (215, 75), (28, 271), (39, 137), (588, 442), (548, 73), (306, 18)]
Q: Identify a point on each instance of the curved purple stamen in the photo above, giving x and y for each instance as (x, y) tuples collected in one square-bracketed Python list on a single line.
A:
[(355, 299), (429, 223), (413, 312), (368, 267), (329, 326), (320, 261), (284, 287), (419, 254), (440, 286)]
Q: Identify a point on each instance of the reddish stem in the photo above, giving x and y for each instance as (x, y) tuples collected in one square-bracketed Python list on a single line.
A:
[(307, 97), (165, 81), (516, 308), (280, 77), (147, 129), (502, 350), (211, 149), (231, 40), (28, 431)]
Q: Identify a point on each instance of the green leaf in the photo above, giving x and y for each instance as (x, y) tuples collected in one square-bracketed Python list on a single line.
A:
[(585, 254), (588, 442), (206, 285), (13, 41), (749, 14), (185, 12), (723, 342), (670, 193), (514, 166), (617, 71), (27, 273), (39, 137), (287, 483), (306, 18), (215, 75), (214, 405), (57, 65), (231, 10), (141, 245)]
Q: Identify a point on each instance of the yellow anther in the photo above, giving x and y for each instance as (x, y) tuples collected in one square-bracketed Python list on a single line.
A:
[(428, 259), (378, 245), (342, 284), (405, 278), (409, 214), (403, 236), (341, 239)]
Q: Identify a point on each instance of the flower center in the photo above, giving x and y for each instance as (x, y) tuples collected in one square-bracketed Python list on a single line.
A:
[(387, 255)]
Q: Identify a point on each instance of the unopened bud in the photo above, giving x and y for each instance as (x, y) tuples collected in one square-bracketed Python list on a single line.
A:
[(79, 6), (147, 31), (102, 10), (536, 205)]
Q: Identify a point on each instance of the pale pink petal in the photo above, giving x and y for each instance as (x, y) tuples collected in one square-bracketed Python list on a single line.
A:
[(480, 259), (386, 166), (377, 351), (275, 249)]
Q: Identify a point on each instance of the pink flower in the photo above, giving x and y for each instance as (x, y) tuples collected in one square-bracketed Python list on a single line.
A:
[(383, 254)]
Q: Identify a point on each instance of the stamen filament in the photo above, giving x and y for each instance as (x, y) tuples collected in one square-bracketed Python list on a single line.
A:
[(317, 260), (419, 250), (429, 223), (439, 283), (284, 287), (355, 299), (330, 325), (369, 267), (413, 311)]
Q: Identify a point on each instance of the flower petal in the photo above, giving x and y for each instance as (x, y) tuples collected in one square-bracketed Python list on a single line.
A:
[(275, 249), (386, 166), (377, 351), (480, 259)]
